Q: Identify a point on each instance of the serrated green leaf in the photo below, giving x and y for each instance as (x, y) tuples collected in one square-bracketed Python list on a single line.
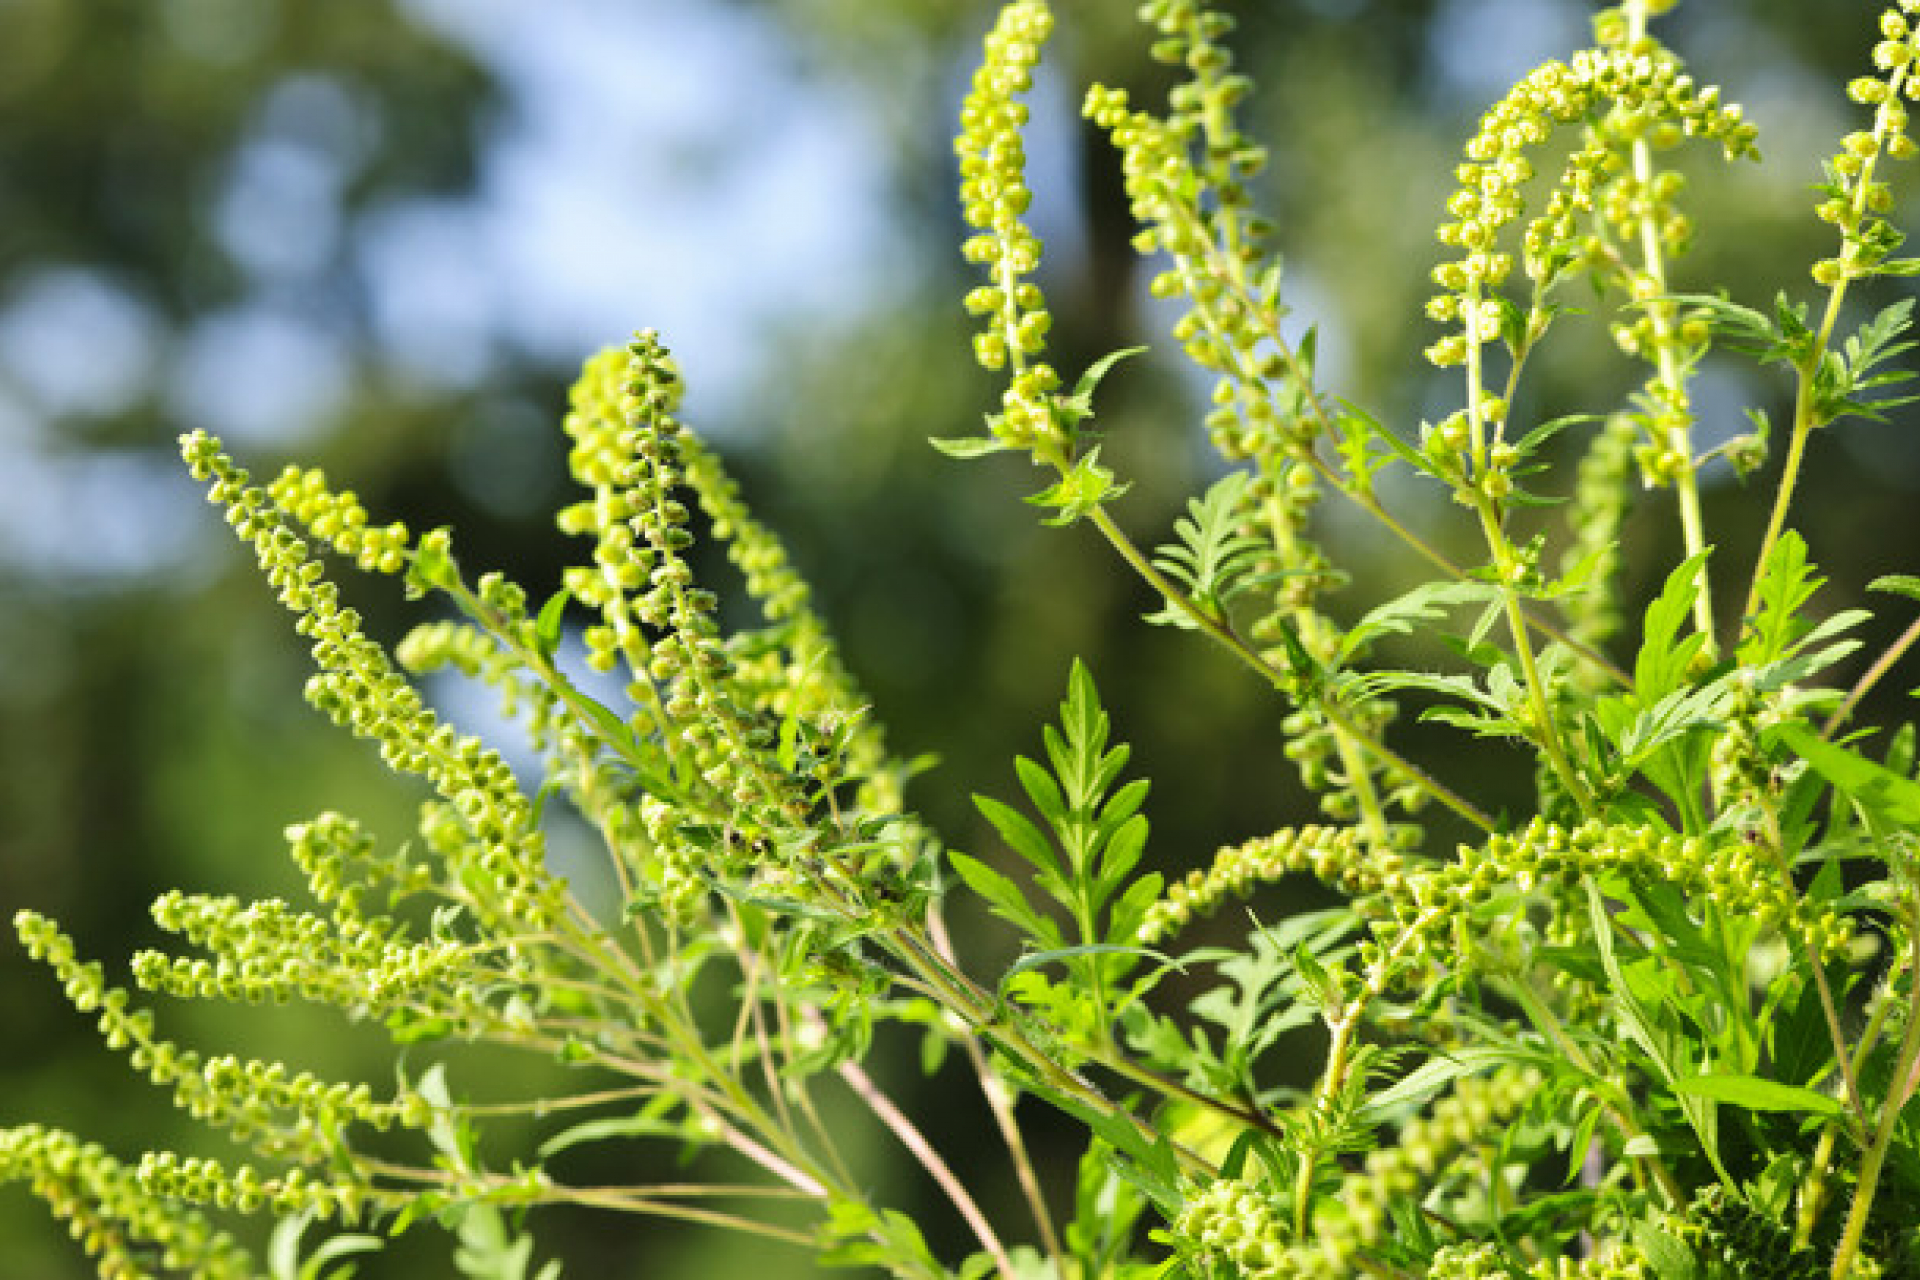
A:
[(1787, 582), (1546, 431), (1098, 370), (1425, 604), (1213, 558), (1665, 656), (1668, 1257), (1423, 1082), (1120, 852), (1085, 486), (1130, 909), (651, 1122)]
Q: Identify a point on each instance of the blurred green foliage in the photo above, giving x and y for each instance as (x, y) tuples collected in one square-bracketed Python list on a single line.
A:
[(151, 733)]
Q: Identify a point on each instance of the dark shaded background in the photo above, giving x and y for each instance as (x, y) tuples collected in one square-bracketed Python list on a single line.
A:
[(382, 235)]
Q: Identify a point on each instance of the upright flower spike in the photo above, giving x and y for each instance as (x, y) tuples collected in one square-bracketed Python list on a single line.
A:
[(1857, 201), (1186, 181), (358, 687), (801, 678), (994, 197), (1187, 176)]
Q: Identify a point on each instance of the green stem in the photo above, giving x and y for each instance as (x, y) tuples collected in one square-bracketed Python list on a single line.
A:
[(1000, 1101), (1546, 727), (931, 1160), (1353, 764), (1808, 368), (981, 1012), (1874, 1159), (1660, 311), (1803, 425), (1829, 1007)]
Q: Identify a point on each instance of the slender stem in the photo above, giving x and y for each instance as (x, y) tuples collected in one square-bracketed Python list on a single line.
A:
[(937, 1168), (1371, 505), (1813, 1194), (1803, 407), (1803, 425), (1883, 664), (657, 1201), (1874, 1159), (1000, 1102), (1672, 379), (984, 1014), (1353, 764), (1344, 1023), (1546, 727)]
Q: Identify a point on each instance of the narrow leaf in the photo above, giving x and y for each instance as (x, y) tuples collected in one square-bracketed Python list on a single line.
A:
[(547, 626), (1756, 1094), (1020, 834)]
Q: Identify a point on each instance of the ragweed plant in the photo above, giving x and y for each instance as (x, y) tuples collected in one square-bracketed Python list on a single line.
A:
[(1665, 1023)]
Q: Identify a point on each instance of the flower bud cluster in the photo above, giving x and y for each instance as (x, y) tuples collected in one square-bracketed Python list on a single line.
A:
[(1486, 1262), (1652, 99), (605, 459), (1299, 568), (1314, 743), (630, 450), (1187, 178), (1472, 1117), (1857, 201), (129, 1229), (1432, 912), (691, 668), (631, 453), (1337, 856), (264, 951), (338, 858), (340, 521), (1468, 1262), (802, 677), (294, 1115), (673, 867), (358, 687), (1233, 1223), (994, 197), (1595, 517), (759, 725), (196, 1180), (1730, 1237), (481, 655), (1741, 767)]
